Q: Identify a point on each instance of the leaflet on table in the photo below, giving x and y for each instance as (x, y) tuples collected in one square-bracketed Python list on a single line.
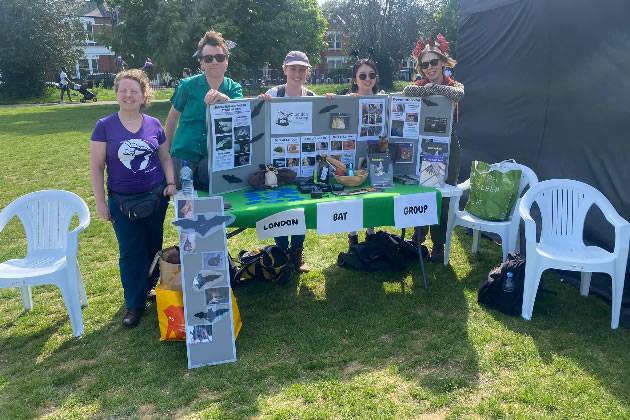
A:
[(291, 117), (310, 147), (433, 158), (371, 119), (405, 117), (343, 147), (232, 134)]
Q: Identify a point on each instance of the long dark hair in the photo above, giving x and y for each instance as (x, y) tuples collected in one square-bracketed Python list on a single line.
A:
[(355, 69)]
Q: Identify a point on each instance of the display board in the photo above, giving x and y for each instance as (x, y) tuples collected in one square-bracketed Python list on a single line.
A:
[(205, 280), (291, 132)]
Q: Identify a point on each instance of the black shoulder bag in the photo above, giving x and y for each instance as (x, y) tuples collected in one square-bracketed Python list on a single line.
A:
[(139, 206)]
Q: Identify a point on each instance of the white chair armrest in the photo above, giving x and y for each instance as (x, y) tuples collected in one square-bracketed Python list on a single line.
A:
[(72, 242), (6, 215), (464, 185)]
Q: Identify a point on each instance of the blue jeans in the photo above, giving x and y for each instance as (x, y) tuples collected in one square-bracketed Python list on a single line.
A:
[(138, 242), (297, 241)]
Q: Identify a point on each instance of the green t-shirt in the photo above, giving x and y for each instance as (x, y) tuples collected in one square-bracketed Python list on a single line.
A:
[(190, 142)]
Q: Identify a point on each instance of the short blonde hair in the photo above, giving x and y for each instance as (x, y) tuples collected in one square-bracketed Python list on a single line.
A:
[(142, 79), (447, 59)]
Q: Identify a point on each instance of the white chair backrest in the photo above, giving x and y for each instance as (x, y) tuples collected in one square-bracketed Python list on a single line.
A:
[(563, 205), (46, 216)]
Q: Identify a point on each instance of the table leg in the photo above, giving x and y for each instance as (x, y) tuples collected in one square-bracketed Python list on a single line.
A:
[(452, 202), (235, 232), (424, 276)]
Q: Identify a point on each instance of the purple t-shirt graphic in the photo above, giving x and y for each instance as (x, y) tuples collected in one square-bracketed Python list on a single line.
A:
[(132, 161)]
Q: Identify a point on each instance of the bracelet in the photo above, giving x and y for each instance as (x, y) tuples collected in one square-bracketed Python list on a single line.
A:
[(170, 183)]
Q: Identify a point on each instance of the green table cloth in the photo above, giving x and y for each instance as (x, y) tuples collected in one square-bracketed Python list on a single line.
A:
[(250, 205)]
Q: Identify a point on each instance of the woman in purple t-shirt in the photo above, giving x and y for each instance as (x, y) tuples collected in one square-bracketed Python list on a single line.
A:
[(132, 146)]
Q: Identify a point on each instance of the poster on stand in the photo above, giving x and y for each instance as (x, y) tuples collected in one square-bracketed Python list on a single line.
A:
[(205, 283), (371, 119), (433, 161), (291, 117), (404, 117), (232, 134)]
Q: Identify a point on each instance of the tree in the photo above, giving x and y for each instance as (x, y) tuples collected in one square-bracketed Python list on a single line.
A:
[(38, 36), (168, 31), (446, 18), (390, 27)]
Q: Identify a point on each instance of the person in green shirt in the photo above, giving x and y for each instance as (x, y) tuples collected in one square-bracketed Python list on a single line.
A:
[(186, 129)]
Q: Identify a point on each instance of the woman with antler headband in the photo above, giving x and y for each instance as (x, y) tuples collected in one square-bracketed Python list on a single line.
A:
[(431, 62)]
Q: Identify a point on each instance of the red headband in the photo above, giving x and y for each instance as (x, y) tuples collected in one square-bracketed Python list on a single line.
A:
[(420, 45)]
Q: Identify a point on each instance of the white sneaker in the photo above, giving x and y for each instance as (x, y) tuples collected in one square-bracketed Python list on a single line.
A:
[(62, 102)]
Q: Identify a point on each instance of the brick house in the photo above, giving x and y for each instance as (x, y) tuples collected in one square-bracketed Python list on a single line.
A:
[(96, 17)]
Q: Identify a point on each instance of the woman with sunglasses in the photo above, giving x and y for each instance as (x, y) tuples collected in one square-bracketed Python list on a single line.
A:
[(431, 62), (364, 78), (188, 113)]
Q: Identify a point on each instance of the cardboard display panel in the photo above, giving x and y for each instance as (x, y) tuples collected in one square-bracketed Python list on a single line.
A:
[(291, 132), (205, 281)]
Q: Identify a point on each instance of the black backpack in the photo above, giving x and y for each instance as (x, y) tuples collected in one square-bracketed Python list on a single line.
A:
[(491, 292), (382, 251), (269, 263)]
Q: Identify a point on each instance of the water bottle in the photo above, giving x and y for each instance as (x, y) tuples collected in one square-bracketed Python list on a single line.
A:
[(350, 170), (186, 177), (507, 294)]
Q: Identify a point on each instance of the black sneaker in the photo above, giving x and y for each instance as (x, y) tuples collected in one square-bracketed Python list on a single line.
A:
[(132, 317)]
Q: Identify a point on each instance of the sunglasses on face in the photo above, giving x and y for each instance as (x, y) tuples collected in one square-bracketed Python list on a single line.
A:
[(209, 58), (434, 63), (364, 76)]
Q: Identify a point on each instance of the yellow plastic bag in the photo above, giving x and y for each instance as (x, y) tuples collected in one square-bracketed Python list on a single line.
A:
[(170, 309)]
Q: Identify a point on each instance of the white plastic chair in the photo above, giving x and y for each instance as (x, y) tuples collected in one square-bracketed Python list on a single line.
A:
[(507, 230), (563, 205), (51, 256)]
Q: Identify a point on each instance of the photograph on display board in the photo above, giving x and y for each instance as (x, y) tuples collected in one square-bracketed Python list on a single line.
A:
[(206, 279), (213, 314), (404, 153), (241, 159), (308, 147), (322, 145), (279, 163), (188, 243), (217, 295), (293, 163), (339, 121), (200, 334), (214, 260), (224, 142), (185, 209), (435, 125), (242, 133), (371, 118), (242, 146), (223, 126)]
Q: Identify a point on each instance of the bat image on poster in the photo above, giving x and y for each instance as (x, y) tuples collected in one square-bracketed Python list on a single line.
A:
[(328, 108), (257, 108), (232, 179), (257, 137), (203, 226)]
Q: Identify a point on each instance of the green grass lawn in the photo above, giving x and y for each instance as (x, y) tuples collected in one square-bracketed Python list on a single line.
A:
[(332, 343)]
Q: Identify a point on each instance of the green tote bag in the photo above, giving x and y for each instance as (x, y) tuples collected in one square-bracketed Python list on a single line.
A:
[(493, 191)]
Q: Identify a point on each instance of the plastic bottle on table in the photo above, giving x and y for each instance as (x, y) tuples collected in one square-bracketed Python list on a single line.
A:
[(186, 177), (350, 170)]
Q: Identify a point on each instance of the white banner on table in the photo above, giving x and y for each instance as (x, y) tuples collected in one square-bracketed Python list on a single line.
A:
[(339, 216), (415, 210), (284, 223)]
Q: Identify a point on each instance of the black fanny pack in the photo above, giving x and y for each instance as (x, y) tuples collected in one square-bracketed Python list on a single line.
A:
[(139, 206)]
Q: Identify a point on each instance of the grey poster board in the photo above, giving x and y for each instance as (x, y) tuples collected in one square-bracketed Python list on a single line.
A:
[(205, 282), (435, 119)]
